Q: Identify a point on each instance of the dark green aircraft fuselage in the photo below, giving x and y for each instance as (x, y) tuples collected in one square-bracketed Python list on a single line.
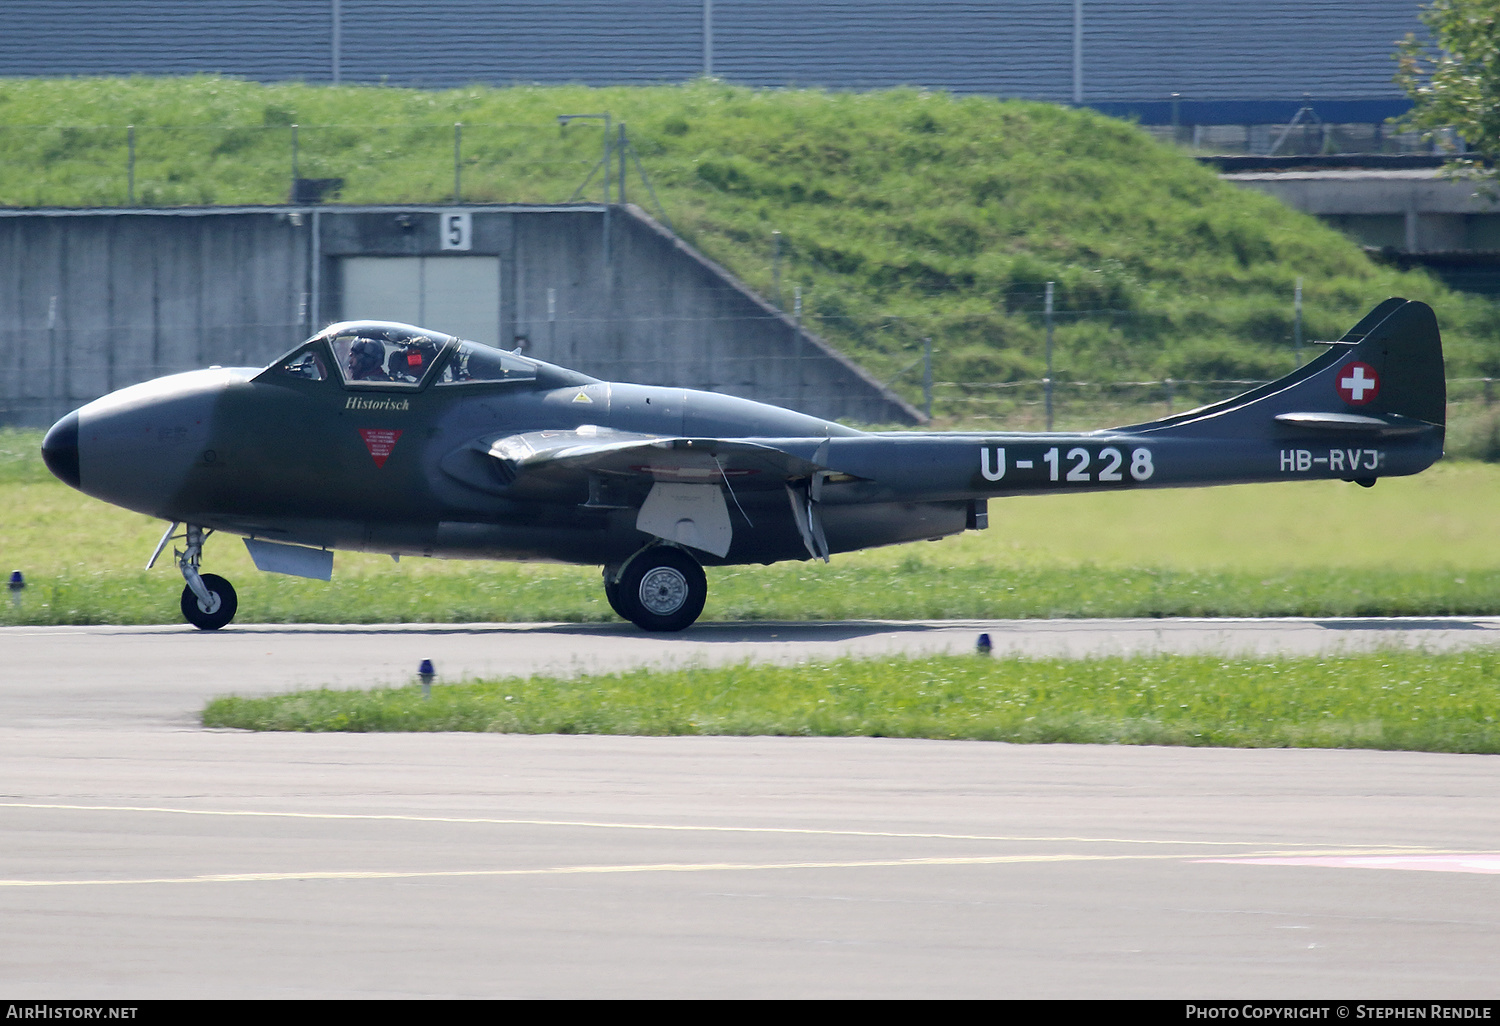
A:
[(386, 438)]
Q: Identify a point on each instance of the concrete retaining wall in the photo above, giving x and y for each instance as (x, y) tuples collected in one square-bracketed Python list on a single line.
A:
[(1413, 210), (91, 301)]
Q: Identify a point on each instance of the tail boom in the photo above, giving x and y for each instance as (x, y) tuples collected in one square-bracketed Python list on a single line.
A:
[(1372, 406)]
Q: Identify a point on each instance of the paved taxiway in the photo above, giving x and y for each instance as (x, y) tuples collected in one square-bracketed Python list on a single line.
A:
[(145, 857), (151, 675)]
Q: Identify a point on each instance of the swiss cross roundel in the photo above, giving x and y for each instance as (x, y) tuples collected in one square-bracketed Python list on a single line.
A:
[(1357, 383)]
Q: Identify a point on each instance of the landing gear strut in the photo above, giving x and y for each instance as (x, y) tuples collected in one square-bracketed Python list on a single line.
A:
[(661, 588), (208, 601)]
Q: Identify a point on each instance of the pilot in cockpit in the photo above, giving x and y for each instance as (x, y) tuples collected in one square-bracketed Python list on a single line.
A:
[(365, 359)]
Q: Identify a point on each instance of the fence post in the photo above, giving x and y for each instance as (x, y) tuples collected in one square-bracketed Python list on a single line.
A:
[(1297, 319), (130, 166), (776, 268), (1049, 355), (605, 162), (623, 140), (607, 141), (315, 286), (458, 138), (797, 343), (927, 378), (56, 408), (1489, 392), (552, 324), (1168, 383)]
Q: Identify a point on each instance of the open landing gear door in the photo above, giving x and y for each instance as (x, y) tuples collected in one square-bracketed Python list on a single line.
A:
[(694, 515)]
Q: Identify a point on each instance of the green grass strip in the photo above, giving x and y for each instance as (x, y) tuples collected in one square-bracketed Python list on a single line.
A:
[(1410, 701), (792, 591)]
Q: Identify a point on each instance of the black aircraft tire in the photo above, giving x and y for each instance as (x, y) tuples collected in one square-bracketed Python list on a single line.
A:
[(613, 596), (665, 589), (229, 603)]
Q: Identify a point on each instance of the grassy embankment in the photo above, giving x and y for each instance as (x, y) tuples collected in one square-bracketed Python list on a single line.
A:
[(1406, 701), (903, 214), (1422, 545)]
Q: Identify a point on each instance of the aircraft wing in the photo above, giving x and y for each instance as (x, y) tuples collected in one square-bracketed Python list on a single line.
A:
[(618, 468), (676, 485)]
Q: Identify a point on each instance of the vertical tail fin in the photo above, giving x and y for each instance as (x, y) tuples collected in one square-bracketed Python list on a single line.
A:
[(1384, 375), (1406, 351)]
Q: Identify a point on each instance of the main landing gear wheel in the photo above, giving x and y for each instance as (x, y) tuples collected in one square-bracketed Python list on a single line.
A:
[(612, 596), (661, 589), (218, 611)]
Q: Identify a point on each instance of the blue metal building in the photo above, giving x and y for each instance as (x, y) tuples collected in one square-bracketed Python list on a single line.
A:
[(1101, 52)]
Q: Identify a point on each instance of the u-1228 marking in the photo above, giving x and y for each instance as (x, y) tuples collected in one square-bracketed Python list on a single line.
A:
[(1342, 460), (1076, 464)]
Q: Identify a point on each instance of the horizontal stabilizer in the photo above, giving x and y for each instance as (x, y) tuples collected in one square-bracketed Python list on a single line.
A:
[(1391, 424)]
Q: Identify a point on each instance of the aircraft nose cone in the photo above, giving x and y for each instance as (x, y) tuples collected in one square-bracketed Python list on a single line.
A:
[(60, 449)]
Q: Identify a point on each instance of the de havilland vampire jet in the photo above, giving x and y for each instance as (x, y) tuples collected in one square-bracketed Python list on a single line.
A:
[(382, 437)]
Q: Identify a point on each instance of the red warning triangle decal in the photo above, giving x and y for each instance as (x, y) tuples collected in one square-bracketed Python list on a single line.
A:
[(380, 442)]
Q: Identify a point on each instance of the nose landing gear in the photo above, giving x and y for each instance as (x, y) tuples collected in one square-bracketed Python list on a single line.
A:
[(208, 601)]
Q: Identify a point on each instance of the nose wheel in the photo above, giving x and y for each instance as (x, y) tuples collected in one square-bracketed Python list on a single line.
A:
[(660, 589), (214, 613), (208, 601)]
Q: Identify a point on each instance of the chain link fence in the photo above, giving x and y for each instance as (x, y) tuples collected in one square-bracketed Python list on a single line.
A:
[(146, 165)]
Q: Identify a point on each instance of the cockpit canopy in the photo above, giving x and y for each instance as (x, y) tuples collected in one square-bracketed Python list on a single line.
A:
[(381, 354), (384, 356)]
